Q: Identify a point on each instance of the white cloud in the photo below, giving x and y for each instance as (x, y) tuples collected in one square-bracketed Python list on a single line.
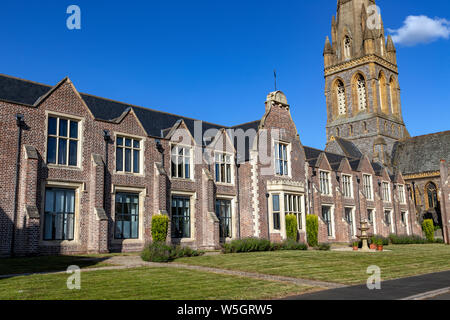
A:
[(421, 29)]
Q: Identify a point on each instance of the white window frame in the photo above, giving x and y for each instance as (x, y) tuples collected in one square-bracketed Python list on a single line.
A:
[(79, 139), (291, 199), (286, 161), (222, 156), (333, 231), (347, 187), (191, 161), (369, 187), (132, 148), (401, 194), (325, 184), (386, 191)]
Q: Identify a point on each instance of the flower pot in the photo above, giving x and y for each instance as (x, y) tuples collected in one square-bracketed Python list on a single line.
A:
[(379, 248), (373, 246), (355, 248)]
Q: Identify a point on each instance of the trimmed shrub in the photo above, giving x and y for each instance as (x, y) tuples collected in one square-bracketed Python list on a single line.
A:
[(160, 226), (157, 252), (324, 247), (260, 245), (312, 230), (406, 239), (291, 227), (292, 245), (377, 239), (428, 229), (161, 252)]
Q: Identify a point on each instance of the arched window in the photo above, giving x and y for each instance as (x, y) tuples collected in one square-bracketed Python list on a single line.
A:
[(340, 92), (382, 90), (347, 47), (361, 88), (338, 132), (393, 96), (365, 126), (431, 193), (350, 130)]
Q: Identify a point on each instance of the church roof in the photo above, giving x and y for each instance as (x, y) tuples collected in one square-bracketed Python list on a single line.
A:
[(349, 148), (421, 153)]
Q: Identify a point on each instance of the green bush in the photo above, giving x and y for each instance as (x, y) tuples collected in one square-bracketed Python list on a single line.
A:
[(324, 247), (292, 245), (406, 239), (260, 245), (161, 252), (157, 252), (428, 229), (376, 239), (291, 227), (312, 230), (160, 226)]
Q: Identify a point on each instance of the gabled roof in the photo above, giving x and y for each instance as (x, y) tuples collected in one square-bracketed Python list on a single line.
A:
[(154, 122), (21, 91), (312, 154), (421, 153)]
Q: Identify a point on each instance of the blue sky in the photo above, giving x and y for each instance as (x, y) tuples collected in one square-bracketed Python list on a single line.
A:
[(213, 60)]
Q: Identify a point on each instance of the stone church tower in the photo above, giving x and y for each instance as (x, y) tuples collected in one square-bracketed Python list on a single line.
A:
[(361, 82)]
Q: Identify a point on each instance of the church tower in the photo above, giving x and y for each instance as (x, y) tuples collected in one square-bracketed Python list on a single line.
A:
[(361, 82)]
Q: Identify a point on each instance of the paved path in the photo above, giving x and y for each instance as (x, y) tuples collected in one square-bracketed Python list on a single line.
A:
[(135, 262), (418, 287)]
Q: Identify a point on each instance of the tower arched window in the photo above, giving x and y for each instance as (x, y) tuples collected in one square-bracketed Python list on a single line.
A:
[(431, 190), (365, 127), (347, 47), (340, 92), (361, 90)]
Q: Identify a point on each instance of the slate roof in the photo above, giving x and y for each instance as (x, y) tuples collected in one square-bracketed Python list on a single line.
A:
[(349, 148), (312, 154), (421, 153), (154, 122)]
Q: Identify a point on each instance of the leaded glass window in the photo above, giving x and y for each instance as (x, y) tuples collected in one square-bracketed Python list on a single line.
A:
[(181, 217), (62, 142), (127, 216), (362, 98), (59, 214)]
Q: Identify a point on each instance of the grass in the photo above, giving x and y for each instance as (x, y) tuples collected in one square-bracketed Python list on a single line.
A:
[(50, 264), (332, 266), (145, 284)]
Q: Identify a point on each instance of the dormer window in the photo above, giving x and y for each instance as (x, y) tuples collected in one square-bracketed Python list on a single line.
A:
[(128, 155), (223, 168), (181, 162), (63, 141), (281, 159), (386, 192)]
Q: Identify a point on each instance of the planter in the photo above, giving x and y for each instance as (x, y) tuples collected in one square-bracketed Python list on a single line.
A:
[(373, 246), (379, 248), (355, 248)]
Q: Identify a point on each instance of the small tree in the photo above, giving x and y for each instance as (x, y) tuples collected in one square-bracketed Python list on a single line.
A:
[(428, 229), (291, 227), (312, 230), (160, 227)]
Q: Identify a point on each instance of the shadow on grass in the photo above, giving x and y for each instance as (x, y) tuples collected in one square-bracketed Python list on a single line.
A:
[(20, 266)]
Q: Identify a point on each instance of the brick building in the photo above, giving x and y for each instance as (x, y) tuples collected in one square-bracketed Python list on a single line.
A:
[(86, 174)]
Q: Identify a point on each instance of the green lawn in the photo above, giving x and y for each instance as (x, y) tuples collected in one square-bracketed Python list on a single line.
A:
[(145, 284), (50, 264), (332, 266)]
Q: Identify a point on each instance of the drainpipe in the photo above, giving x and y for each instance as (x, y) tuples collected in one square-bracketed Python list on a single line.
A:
[(238, 165), (358, 181), (20, 123), (268, 216), (107, 137)]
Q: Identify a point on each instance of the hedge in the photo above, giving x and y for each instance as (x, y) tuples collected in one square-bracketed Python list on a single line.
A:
[(161, 252), (291, 227), (260, 245), (312, 230), (160, 227)]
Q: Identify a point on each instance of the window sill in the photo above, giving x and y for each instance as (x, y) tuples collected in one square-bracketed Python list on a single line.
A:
[(60, 166), (182, 179), (129, 174), (225, 184), (127, 241), (65, 243)]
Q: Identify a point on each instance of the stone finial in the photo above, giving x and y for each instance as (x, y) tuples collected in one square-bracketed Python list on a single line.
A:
[(277, 96), (328, 49), (390, 47)]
